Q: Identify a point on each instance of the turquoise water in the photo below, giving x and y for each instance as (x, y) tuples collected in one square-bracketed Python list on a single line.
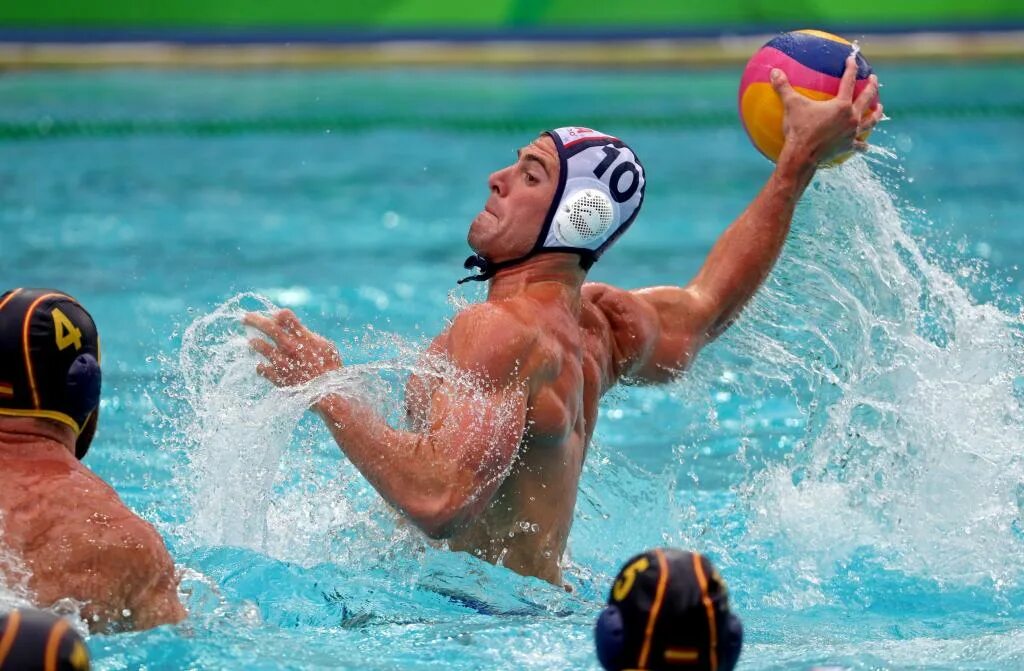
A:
[(849, 453)]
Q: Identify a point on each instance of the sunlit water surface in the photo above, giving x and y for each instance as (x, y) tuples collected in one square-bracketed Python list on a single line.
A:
[(849, 453)]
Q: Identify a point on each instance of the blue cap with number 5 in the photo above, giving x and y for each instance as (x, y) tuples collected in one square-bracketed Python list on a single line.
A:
[(668, 609), (49, 361), (599, 193)]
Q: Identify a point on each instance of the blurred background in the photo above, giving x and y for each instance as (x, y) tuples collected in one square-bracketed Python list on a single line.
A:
[(311, 32)]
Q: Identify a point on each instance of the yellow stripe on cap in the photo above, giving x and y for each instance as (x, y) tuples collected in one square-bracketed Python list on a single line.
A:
[(8, 299), (44, 414), (53, 643), (709, 607), (24, 341), (13, 623), (6, 390), (682, 655), (825, 36), (652, 619)]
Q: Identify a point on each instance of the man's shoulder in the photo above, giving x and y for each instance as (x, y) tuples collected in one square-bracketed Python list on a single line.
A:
[(494, 323), (617, 309), (495, 338), (72, 501), (620, 323)]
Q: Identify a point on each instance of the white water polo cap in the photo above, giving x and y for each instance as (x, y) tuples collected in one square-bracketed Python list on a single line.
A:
[(599, 193)]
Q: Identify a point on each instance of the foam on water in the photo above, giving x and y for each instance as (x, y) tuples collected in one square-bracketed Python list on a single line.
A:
[(14, 577)]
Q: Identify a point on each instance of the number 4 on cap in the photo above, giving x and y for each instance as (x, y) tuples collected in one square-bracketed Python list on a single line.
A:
[(67, 334)]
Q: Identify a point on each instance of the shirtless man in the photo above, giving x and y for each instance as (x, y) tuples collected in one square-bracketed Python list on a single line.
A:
[(497, 475), (66, 526)]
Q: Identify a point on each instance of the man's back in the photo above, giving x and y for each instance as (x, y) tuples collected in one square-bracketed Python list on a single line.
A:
[(78, 540), (579, 346)]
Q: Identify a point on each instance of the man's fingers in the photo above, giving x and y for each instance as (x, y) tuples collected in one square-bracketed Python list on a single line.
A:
[(849, 80), (781, 85), (860, 146), (866, 96), (261, 346), (261, 323), (288, 321), (267, 371), (871, 118)]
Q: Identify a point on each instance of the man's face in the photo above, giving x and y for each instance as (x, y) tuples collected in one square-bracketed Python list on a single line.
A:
[(520, 197)]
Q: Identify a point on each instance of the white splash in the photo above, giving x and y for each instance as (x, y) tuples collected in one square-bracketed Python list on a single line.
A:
[(260, 477), (914, 434)]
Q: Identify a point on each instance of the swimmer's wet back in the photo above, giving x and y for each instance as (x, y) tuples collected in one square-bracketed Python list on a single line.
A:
[(49, 361)]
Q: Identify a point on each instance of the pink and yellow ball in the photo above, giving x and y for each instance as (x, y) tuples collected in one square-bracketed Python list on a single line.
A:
[(813, 61)]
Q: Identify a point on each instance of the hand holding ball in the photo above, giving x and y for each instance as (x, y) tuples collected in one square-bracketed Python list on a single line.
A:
[(813, 63)]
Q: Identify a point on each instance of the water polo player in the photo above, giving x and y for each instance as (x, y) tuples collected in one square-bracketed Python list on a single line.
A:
[(496, 473), (67, 527), (668, 609)]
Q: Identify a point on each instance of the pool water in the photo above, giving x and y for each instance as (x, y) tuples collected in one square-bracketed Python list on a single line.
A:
[(848, 453)]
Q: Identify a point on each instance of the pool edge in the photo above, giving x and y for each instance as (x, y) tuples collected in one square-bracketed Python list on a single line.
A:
[(632, 53)]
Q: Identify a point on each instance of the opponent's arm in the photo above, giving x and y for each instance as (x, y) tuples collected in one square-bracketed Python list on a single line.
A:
[(445, 475), (688, 317)]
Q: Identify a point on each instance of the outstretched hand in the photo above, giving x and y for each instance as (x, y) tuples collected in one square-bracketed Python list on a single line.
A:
[(295, 355), (824, 130)]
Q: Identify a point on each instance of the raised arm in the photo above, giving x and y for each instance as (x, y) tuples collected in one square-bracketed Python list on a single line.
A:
[(684, 319), (444, 476)]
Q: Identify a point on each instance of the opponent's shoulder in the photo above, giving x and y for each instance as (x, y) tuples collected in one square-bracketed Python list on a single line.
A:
[(494, 339), (622, 322), (105, 526)]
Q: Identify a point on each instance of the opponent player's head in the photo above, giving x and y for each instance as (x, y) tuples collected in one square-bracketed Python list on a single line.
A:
[(34, 639), (570, 190), (49, 361), (668, 609)]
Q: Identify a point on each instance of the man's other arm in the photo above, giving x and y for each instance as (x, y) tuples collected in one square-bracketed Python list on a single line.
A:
[(446, 474), (684, 319)]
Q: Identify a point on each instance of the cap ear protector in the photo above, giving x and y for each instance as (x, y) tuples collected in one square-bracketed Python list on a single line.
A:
[(637, 631), (730, 646), (610, 637), (50, 361), (84, 382), (583, 218)]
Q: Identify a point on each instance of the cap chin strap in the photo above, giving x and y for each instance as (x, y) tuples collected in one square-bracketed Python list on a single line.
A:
[(488, 269)]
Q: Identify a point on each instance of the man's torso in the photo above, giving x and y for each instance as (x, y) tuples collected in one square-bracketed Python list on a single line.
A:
[(579, 357)]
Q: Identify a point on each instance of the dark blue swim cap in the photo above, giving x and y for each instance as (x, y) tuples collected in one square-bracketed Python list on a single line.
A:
[(34, 639), (50, 361), (668, 609)]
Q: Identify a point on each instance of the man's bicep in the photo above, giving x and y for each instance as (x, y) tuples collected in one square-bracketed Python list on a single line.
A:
[(682, 317), (479, 425), (476, 430), (477, 414)]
